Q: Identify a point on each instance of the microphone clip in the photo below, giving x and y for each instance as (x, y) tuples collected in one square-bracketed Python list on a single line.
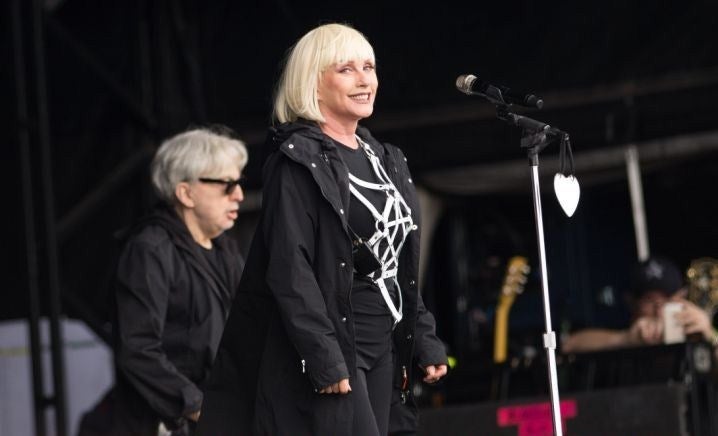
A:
[(495, 96)]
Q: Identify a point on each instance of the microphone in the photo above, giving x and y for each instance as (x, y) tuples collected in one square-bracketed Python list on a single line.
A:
[(472, 85)]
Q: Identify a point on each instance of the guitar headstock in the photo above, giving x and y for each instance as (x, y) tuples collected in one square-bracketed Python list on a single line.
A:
[(517, 271), (702, 275)]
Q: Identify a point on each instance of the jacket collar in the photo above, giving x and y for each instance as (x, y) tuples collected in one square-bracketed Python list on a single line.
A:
[(167, 218), (304, 142), (279, 135)]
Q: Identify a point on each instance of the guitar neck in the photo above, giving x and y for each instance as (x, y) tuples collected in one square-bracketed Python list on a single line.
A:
[(516, 272), (501, 328)]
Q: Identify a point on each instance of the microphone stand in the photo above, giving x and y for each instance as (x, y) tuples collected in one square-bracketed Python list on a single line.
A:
[(535, 137)]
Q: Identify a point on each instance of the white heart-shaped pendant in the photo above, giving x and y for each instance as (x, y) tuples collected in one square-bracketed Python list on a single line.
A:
[(567, 192)]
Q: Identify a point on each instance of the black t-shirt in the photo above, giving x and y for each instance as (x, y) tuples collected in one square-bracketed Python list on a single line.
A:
[(213, 256), (361, 219), (366, 297)]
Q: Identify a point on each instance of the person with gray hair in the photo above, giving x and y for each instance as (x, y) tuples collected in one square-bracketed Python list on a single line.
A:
[(175, 281)]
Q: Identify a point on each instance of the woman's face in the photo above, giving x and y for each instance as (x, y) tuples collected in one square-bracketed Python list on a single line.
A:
[(347, 91)]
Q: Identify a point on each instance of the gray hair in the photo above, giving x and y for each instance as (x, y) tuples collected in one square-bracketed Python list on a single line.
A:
[(193, 154)]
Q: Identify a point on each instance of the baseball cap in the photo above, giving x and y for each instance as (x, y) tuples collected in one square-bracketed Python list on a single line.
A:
[(656, 274)]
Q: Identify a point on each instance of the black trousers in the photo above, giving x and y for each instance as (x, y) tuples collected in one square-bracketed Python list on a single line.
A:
[(375, 369)]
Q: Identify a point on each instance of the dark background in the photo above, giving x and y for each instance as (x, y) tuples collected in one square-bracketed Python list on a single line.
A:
[(91, 88)]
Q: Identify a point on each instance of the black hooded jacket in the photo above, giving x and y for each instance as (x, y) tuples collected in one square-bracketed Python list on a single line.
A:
[(171, 305), (291, 331)]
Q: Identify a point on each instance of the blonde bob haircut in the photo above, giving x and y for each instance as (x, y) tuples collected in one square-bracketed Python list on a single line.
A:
[(193, 154), (326, 45)]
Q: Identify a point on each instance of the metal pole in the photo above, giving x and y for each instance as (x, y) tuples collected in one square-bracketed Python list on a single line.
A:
[(53, 281), (144, 60), (549, 337), (31, 258), (633, 168), (189, 53), (535, 138)]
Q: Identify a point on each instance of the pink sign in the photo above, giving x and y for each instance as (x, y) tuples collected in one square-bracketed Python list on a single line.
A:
[(534, 419)]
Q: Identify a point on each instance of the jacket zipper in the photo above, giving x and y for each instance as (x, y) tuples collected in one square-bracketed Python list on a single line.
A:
[(404, 384), (304, 371)]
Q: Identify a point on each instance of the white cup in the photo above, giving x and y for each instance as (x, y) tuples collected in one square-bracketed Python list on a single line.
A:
[(672, 330)]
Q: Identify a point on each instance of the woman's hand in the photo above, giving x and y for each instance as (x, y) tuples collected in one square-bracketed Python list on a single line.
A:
[(434, 373), (340, 387)]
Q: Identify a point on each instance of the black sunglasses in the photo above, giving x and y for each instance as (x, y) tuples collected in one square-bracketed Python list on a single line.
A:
[(228, 184)]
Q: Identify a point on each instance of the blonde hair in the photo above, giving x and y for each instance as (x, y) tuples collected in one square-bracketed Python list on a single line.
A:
[(193, 154), (326, 45)]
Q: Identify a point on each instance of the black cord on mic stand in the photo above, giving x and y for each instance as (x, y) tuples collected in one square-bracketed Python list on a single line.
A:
[(535, 137)]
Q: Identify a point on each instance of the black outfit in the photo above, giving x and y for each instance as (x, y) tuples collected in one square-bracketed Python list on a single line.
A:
[(172, 299), (365, 296), (292, 330), (372, 319)]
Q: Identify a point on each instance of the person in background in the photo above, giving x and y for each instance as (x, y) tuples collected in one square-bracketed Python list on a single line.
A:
[(329, 316), (655, 282), (175, 281)]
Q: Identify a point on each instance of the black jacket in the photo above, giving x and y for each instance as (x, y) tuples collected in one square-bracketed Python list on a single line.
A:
[(291, 331), (171, 306)]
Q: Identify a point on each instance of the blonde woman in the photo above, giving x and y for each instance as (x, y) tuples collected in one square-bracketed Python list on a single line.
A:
[(329, 318)]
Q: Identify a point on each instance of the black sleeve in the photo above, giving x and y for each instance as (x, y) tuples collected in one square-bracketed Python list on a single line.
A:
[(142, 293), (289, 231), (428, 348)]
